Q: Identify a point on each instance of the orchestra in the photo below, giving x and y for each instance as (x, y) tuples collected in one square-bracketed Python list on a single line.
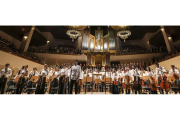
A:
[(116, 79)]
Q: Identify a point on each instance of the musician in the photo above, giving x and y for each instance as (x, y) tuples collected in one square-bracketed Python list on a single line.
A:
[(102, 78), (137, 65), (80, 81), (67, 74), (159, 72), (23, 73), (126, 73), (34, 72), (62, 80), (42, 80), (119, 78), (84, 67), (56, 75), (5, 73), (174, 72), (88, 66), (99, 67), (135, 74), (116, 67), (74, 76), (150, 74), (114, 80)]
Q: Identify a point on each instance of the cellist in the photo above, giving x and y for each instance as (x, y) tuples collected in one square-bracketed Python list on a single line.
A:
[(126, 74), (160, 72), (174, 72), (150, 74)]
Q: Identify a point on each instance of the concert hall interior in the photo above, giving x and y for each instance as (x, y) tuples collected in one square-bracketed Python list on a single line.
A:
[(90, 59)]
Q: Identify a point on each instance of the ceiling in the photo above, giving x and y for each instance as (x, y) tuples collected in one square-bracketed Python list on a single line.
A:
[(37, 39), (174, 31), (59, 32), (157, 40), (16, 31)]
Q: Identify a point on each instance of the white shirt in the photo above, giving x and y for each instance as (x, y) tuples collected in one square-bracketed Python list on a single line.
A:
[(175, 71), (62, 71), (75, 72), (34, 74), (159, 71), (8, 73), (148, 73), (56, 73), (44, 72), (67, 73), (81, 75), (113, 76)]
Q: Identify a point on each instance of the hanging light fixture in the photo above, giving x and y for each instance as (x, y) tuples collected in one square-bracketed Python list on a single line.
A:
[(125, 33), (73, 32)]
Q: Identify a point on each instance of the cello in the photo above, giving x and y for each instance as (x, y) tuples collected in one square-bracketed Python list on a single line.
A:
[(153, 84), (164, 83)]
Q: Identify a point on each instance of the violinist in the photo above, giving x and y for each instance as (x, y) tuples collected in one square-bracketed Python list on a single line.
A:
[(4, 74), (160, 72), (42, 80), (23, 72)]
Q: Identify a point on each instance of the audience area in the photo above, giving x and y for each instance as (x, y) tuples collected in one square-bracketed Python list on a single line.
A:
[(8, 46), (169, 55), (135, 49), (59, 49)]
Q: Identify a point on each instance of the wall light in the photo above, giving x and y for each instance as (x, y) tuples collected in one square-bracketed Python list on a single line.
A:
[(25, 37), (169, 38), (162, 29), (147, 42), (48, 42)]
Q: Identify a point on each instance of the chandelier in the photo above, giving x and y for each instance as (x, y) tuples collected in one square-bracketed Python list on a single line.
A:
[(124, 34), (73, 34), (123, 31)]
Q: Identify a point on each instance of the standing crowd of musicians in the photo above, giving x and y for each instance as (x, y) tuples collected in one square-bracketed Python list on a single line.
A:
[(125, 79)]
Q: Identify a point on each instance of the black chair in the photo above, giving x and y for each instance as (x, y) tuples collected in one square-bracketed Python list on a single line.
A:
[(10, 87), (30, 89)]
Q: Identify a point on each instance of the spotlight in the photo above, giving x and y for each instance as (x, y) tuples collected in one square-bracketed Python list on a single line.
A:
[(162, 29)]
